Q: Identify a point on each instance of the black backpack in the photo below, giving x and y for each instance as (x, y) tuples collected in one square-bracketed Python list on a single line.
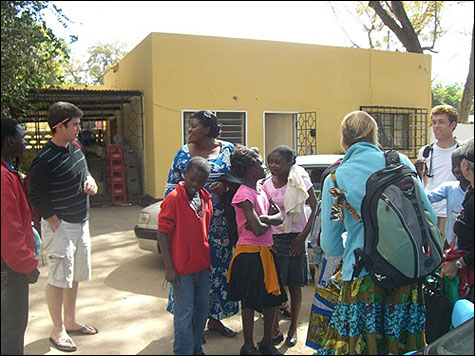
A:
[(402, 243)]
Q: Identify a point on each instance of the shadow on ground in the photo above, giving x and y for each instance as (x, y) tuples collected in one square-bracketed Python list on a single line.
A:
[(38, 347), (148, 279)]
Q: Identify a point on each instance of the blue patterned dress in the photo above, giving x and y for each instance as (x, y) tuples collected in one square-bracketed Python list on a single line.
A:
[(221, 249)]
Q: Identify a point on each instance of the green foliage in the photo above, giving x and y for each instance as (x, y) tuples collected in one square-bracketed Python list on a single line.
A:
[(102, 56), (450, 94), (32, 56)]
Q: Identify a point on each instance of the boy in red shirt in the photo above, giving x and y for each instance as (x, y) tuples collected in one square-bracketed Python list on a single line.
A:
[(19, 264), (183, 226)]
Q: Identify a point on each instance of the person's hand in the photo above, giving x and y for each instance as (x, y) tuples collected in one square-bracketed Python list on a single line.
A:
[(90, 186), (33, 276), (297, 245), (54, 222), (219, 188), (172, 277), (264, 219), (449, 269)]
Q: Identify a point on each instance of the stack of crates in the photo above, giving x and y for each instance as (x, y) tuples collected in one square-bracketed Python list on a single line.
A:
[(116, 174), (132, 169)]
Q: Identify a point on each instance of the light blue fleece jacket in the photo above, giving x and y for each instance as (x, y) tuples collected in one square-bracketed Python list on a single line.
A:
[(359, 163)]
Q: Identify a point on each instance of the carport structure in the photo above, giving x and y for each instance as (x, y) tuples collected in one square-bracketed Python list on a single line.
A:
[(111, 117)]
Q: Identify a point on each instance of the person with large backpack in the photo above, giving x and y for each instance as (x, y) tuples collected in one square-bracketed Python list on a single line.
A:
[(392, 244)]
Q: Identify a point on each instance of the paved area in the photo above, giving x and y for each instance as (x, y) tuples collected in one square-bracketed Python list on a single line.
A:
[(126, 300)]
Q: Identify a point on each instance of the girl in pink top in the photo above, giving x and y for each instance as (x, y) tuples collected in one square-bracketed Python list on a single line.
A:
[(253, 277), (290, 188)]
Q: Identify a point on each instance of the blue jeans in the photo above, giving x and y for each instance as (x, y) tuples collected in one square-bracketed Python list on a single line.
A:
[(14, 311), (191, 313)]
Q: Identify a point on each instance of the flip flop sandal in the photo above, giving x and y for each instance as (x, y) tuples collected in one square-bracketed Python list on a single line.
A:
[(83, 330), (63, 344)]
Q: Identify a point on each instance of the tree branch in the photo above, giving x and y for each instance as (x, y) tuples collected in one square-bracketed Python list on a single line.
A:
[(467, 98), (406, 33)]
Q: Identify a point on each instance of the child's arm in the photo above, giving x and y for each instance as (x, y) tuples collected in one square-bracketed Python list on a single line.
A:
[(274, 216), (298, 243), (253, 222), (164, 242)]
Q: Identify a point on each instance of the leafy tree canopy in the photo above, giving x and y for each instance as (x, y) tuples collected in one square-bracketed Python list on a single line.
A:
[(449, 94), (102, 56), (31, 55)]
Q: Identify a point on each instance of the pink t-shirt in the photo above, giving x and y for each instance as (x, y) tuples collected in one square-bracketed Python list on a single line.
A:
[(278, 195), (260, 200)]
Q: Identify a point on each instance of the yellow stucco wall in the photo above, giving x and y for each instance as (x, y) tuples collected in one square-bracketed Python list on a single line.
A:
[(184, 72)]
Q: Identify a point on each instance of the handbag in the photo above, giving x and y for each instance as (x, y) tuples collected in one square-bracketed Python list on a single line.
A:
[(438, 307), (465, 275)]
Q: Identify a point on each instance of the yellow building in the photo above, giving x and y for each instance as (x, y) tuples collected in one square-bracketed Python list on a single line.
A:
[(267, 93)]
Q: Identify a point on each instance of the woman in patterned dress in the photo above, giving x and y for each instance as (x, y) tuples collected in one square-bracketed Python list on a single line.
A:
[(366, 320), (203, 131)]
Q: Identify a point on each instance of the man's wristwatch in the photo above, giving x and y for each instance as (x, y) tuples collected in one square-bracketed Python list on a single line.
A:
[(458, 264)]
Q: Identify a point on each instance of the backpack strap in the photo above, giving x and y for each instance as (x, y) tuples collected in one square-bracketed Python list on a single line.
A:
[(340, 200), (427, 150), (360, 261), (392, 157)]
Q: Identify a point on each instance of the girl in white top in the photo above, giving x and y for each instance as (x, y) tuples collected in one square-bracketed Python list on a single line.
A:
[(290, 188)]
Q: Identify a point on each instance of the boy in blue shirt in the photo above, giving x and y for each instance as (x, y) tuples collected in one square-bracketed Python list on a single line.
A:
[(453, 192)]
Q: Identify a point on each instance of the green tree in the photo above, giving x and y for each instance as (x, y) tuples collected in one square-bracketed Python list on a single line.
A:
[(31, 55), (416, 24), (102, 57), (450, 94), (394, 16)]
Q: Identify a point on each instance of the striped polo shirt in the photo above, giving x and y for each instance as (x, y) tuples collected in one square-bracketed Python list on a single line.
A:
[(57, 177)]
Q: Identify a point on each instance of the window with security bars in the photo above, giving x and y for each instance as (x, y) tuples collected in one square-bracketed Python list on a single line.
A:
[(402, 129), (233, 126)]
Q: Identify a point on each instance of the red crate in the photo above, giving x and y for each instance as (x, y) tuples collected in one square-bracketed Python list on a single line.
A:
[(114, 149), (119, 199)]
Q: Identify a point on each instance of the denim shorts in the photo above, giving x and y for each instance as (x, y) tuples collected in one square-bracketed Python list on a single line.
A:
[(68, 253)]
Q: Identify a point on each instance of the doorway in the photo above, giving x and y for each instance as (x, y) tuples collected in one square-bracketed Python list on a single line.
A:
[(279, 130)]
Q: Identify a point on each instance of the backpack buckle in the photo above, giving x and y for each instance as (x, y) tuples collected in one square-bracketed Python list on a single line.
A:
[(426, 249)]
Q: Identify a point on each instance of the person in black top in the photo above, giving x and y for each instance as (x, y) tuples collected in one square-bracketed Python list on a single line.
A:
[(463, 227), (60, 185)]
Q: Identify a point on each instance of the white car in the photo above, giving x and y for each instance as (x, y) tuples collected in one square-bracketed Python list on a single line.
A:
[(146, 228)]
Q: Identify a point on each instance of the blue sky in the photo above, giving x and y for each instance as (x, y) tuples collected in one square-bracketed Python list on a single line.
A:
[(310, 22)]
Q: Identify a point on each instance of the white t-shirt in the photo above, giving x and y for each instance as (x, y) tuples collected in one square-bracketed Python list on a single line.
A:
[(441, 171)]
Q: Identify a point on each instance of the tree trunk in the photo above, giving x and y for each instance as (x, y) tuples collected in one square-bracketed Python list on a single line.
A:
[(406, 33), (467, 97)]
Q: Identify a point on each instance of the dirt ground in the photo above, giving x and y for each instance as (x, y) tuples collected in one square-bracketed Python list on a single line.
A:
[(126, 300)]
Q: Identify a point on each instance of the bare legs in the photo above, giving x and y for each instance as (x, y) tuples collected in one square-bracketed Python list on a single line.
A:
[(57, 299)]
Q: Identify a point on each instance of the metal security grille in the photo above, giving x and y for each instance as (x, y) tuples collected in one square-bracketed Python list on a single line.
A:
[(306, 133), (402, 129), (233, 126)]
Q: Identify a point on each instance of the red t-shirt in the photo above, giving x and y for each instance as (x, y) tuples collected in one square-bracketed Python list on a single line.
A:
[(188, 233), (17, 235)]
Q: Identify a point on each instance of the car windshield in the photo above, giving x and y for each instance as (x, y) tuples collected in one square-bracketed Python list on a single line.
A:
[(456, 342)]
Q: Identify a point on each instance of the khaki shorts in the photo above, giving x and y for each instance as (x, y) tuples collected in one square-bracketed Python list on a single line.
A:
[(68, 253), (441, 222)]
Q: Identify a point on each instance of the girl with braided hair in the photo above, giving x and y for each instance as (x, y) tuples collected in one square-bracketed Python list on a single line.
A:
[(252, 275)]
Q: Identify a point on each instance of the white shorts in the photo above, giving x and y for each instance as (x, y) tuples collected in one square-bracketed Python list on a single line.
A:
[(68, 252)]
